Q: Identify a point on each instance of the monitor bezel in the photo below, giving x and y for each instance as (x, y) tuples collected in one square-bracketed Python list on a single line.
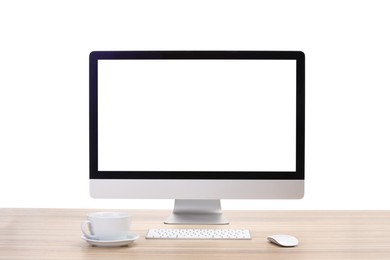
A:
[(299, 56)]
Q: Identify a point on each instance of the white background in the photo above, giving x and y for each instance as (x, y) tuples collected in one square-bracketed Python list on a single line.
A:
[(44, 51)]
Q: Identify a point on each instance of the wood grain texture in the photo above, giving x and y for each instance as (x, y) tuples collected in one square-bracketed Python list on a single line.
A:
[(55, 234)]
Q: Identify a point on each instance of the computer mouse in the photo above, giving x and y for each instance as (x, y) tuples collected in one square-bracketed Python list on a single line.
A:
[(283, 240)]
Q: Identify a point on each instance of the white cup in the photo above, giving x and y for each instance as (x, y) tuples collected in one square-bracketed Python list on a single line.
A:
[(106, 225)]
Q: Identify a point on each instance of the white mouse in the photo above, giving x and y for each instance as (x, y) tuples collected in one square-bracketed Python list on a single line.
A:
[(283, 240)]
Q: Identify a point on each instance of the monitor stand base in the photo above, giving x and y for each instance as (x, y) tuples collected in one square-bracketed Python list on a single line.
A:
[(197, 212)]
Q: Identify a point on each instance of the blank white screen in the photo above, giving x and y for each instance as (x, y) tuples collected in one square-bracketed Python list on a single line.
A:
[(196, 115)]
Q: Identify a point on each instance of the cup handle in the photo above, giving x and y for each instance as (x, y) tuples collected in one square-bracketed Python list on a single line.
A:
[(87, 231)]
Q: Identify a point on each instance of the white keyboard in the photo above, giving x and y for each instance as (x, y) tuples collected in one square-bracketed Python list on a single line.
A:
[(233, 234)]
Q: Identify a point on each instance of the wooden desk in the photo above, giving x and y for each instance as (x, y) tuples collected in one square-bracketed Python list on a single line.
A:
[(55, 234)]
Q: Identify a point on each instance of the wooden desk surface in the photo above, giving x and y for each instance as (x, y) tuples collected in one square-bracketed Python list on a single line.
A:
[(55, 234)]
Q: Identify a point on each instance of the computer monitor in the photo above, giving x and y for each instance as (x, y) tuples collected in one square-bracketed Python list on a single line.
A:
[(197, 127)]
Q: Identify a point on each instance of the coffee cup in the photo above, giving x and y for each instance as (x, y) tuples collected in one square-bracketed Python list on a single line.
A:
[(106, 225)]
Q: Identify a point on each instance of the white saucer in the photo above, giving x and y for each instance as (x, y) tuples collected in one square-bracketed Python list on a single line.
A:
[(112, 243)]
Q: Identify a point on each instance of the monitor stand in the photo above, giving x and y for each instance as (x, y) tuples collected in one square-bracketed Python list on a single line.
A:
[(193, 212)]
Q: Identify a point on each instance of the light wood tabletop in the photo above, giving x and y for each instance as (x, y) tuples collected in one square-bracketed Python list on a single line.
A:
[(55, 234)]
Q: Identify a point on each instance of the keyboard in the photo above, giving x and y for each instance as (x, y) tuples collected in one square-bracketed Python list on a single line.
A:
[(223, 234)]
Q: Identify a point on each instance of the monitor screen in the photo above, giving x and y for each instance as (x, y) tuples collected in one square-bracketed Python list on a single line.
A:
[(197, 115)]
